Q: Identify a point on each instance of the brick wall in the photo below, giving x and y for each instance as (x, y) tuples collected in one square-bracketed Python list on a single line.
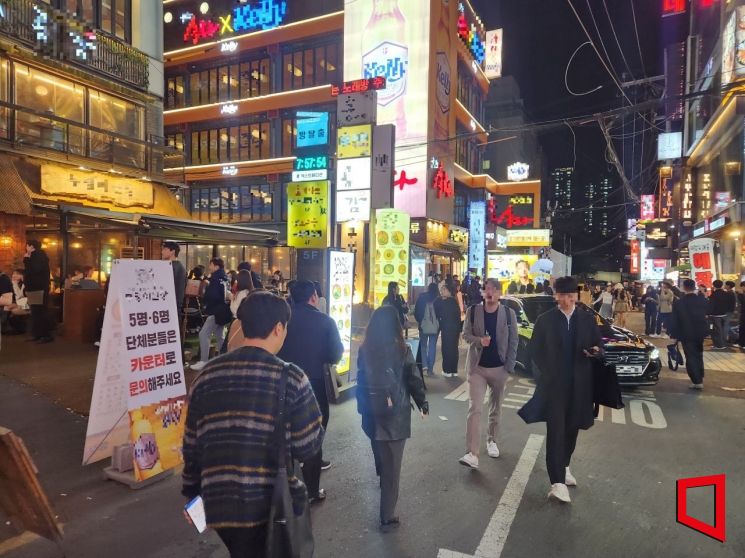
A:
[(12, 241)]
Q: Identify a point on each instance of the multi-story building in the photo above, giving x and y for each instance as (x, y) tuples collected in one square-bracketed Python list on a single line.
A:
[(562, 187), (235, 83), (596, 196), (81, 136)]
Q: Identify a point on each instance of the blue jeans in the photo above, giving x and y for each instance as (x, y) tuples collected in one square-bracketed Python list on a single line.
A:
[(428, 348), (663, 320)]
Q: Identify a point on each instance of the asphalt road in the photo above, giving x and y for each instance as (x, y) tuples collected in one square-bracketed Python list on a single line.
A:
[(626, 466)]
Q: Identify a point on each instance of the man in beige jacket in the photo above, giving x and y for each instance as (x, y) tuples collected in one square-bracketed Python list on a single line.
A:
[(667, 297)]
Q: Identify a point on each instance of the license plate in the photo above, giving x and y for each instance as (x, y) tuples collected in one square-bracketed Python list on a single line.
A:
[(629, 370)]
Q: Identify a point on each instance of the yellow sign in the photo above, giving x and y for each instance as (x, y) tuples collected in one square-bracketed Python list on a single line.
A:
[(528, 237), (96, 187), (391, 257), (308, 214), (354, 141)]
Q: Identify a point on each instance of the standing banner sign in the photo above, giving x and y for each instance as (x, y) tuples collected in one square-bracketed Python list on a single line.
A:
[(703, 260), (139, 393), (391, 254), (341, 287)]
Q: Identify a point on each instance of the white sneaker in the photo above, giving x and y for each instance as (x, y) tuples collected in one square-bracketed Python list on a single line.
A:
[(492, 449), (197, 366), (569, 478), (696, 386), (560, 492), (469, 460), (654, 335)]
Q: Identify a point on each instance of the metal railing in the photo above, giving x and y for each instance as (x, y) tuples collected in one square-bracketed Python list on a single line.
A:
[(25, 129), (55, 34)]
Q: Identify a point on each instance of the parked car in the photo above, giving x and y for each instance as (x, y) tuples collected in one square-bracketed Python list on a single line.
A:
[(637, 362)]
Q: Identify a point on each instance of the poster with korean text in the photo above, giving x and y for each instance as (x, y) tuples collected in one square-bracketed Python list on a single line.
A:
[(391, 254), (341, 290), (307, 214)]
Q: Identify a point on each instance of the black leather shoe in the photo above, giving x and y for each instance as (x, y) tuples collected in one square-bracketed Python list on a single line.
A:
[(325, 465), (318, 498), (390, 525)]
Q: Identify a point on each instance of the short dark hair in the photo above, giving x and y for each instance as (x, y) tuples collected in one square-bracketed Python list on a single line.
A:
[(319, 290), (302, 291), (518, 262), (718, 284), (260, 312), (730, 284), (565, 285), (33, 242), (244, 265), (495, 282), (689, 285), (172, 246), (218, 262)]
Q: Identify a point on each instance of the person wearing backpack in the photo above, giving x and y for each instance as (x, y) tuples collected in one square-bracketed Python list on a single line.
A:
[(429, 327), (387, 380), (491, 330)]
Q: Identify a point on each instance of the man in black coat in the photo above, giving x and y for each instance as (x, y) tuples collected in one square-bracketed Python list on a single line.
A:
[(689, 326), (720, 304), (565, 340), (313, 344), (37, 276)]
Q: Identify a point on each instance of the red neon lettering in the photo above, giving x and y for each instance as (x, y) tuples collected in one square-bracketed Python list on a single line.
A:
[(673, 6), (404, 181), (200, 29), (442, 183)]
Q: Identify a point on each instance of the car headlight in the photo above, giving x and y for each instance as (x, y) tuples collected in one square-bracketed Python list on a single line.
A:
[(655, 354)]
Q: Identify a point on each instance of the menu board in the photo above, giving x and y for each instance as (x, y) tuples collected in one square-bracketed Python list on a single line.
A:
[(341, 287), (307, 214), (391, 256)]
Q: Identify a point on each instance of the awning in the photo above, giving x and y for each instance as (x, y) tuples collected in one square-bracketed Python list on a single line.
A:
[(441, 250), (185, 231)]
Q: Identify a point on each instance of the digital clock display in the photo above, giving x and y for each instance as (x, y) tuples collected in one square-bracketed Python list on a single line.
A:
[(312, 163)]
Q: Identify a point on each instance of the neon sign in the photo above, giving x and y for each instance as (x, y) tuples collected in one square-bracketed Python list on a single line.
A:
[(471, 35), (671, 7), (311, 163), (403, 180), (507, 218), (229, 109), (359, 86), (442, 184), (390, 61), (259, 16)]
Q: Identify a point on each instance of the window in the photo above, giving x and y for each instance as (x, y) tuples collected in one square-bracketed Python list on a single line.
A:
[(233, 203), (223, 83), (310, 67), (175, 92), (176, 141), (4, 132), (236, 143)]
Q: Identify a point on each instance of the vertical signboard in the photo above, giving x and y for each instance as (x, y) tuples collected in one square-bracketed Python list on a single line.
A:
[(353, 189), (493, 60), (140, 373), (477, 240), (647, 207), (703, 261), (635, 255), (386, 39), (391, 254), (307, 214), (341, 287)]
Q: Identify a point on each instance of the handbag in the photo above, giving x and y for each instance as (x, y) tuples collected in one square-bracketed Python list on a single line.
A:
[(288, 533), (35, 298), (674, 357), (606, 390), (332, 388)]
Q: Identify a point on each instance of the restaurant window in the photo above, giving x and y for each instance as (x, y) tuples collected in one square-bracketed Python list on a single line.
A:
[(224, 83), (52, 102), (248, 142), (175, 92), (4, 121), (289, 136), (310, 67), (176, 141), (233, 204)]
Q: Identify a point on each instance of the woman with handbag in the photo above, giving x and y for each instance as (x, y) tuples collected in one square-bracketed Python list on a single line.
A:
[(388, 378)]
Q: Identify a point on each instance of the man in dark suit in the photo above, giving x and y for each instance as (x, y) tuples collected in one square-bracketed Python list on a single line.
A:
[(313, 344), (689, 326), (564, 342)]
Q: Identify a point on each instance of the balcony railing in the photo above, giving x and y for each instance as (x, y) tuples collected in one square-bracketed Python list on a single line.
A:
[(29, 130), (55, 34)]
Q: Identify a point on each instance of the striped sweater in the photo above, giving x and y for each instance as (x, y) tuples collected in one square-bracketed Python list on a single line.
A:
[(229, 455)]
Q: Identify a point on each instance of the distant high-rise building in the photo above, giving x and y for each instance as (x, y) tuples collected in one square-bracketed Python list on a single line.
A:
[(596, 195), (561, 186)]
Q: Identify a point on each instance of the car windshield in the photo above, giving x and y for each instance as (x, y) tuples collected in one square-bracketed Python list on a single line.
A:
[(534, 307)]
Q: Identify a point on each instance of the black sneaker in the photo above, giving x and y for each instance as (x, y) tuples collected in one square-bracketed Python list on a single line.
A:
[(325, 465), (318, 498), (390, 525)]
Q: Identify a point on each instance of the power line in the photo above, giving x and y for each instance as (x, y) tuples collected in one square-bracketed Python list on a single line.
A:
[(636, 32), (600, 36), (618, 43)]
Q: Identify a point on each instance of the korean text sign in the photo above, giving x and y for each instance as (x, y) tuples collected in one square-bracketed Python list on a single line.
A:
[(476, 248), (308, 214), (391, 251), (341, 287), (703, 260)]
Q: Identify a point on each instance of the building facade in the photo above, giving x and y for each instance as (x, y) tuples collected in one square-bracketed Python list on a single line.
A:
[(596, 196), (562, 187)]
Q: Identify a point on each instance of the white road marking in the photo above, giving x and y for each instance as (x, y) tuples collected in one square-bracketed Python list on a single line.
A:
[(495, 536), (618, 416), (638, 417)]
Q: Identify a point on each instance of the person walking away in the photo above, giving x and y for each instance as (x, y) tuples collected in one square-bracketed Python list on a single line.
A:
[(621, 306), (491, 331), (394, 298), (667, 298), (255, 277), (729, 289), (741, 301), (719, 305), (429, 327), (565, 341), (229, 445), (36, 264), (244, 287), (448, 316), (605, 299), (313, 344), (387, 381), (651, 302), (169, 252), (474, 292), (215, 306), (689, 326)]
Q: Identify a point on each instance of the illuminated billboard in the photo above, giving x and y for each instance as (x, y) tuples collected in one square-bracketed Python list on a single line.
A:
[(493, 61), (312, 128), (391, 252), (307, 214), (354, 141)]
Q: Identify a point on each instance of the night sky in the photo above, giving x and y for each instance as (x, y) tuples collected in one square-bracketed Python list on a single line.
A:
[(539, 39)]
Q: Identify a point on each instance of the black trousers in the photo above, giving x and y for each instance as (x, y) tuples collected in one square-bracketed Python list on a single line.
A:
[(741, 340), (41, 325), (388, 457), (694, 352), (561, 433), (449, 342), (312, 466), (244, 542)]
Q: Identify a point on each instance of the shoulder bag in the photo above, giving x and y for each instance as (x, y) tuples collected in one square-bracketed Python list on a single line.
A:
[(288, 534)]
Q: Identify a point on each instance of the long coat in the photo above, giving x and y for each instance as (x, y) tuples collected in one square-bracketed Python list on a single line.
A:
[(547, 351)]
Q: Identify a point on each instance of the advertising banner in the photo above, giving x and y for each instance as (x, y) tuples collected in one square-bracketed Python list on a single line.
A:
[(493, 60), (307, 214), (539, 238), (647, 207), (635, 255), (477, 240), (341, 287), (391, 255), (418, 273), (352, 205), (354, 141), (703, 261), (514, 270), (312, 128), (516, 211), (96, 187), (139, 391)]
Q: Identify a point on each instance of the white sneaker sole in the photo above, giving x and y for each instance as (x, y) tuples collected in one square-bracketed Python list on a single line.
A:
[(467, 464)]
